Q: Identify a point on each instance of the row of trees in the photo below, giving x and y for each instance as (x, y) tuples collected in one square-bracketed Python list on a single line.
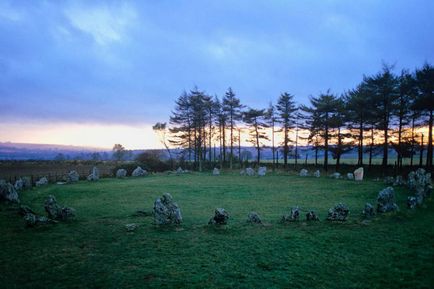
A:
[(386, 103)]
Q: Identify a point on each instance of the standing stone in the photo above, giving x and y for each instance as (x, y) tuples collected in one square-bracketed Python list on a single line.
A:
[(399, 181), (368, 211), (250, 172), (57, 212), (19, 184), (254, 218), (304, 173), (215, 172), (350, 176), (94, 176), (179, 171), (73, 177), (358, 174), (411, 202), (121, 173), (243, 172), (292, 217), (336, 176), (317, 174), (139, 172), (220, 217), (339, 213), (386, 201), (27, 182), (411, 180), (8, 192), (389, 180), (311, 216), (262, 171), (166, 211), (42, 182)]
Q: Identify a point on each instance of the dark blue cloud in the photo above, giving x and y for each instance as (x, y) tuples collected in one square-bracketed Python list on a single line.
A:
[(126, 62)]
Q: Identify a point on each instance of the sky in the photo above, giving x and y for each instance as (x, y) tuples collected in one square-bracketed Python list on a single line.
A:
[(95, 73)]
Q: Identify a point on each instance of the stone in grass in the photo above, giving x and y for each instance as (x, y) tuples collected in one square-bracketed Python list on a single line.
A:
[(8, 192), (215, 172), (339, 213), (139, 172), (350, 176), (42, 182), (32, 220), (336, 176), (292, 217), (411, 202), (220, 217), (317, 174), (24, 210), (19, 184), (389, 180), (368, 211), (166, 211), (399, 181), (57, 212), (358, 174), (94, 176), (304, 173), (243, 172), (262, 171), (250, 172), (386, 201), (179, 170), (254, 218), (311, 216), (131, 227), (73, 177), (121, 173)]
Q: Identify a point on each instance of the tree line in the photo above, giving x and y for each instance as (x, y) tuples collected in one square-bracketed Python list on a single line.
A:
[(383, 111)]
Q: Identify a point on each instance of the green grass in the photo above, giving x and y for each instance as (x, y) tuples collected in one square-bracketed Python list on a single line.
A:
[(95, 251)]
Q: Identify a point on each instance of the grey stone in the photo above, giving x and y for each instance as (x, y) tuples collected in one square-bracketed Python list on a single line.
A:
[(389, 180), (293, 216), (166, 211), (73, 177), (311, 216), (94, 176), (250, 172), (317, 174), (215, 172), (8, 192), (243, 172), (139, 172), (368, 211), (262, 171), (32, 220), (121, 173), (42, 182), (399, 181), (411, 202), (254, 218), (358, 174), (57, 212), (304, 173), (19, 184), (131, 227), (386, 201), (339, 213), (220, 217), (336, 176), (350, 176), (179, 170)]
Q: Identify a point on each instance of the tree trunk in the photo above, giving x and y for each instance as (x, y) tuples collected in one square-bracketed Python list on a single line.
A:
[(239, 147), (272, 146), (360, 150), (285, 147), (421, 152), (257, 143), (429, 153), (326, 147)]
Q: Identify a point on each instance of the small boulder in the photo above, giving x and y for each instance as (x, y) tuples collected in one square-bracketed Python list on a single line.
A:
[(179, 171), (8, 192), (215, 172), (411, 202), (19, 184), (350, 176), (336, 176), (386, 201), (304, 173), (220, 217), (73, 177), (389, 180), (262, 171), (293, 216), (358, 174), (139, 172), (243, 172), (166, 211), (399, 181), (311, 216), (131, 227), (57, 212), (32, 220), (339, 213), (121, 173), (250, 172), (368, 211), (317, 174), (42, 182), (94, 176), (254, 218)]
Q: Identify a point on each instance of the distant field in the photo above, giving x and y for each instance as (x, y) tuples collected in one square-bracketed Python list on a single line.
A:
[(95, 251)]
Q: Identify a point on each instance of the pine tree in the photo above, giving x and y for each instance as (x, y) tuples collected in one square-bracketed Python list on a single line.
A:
[(255, 120), (286, 110), (232, 109)]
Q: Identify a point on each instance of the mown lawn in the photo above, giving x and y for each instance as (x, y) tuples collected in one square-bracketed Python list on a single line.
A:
[(95, 251)]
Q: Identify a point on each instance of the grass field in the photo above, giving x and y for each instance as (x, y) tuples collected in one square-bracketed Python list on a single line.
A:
[(95, 251)]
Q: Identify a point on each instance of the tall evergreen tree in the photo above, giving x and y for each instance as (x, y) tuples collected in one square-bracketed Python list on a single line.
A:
[(271, 118), (285, 116), (255, 120), (232, 108)]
